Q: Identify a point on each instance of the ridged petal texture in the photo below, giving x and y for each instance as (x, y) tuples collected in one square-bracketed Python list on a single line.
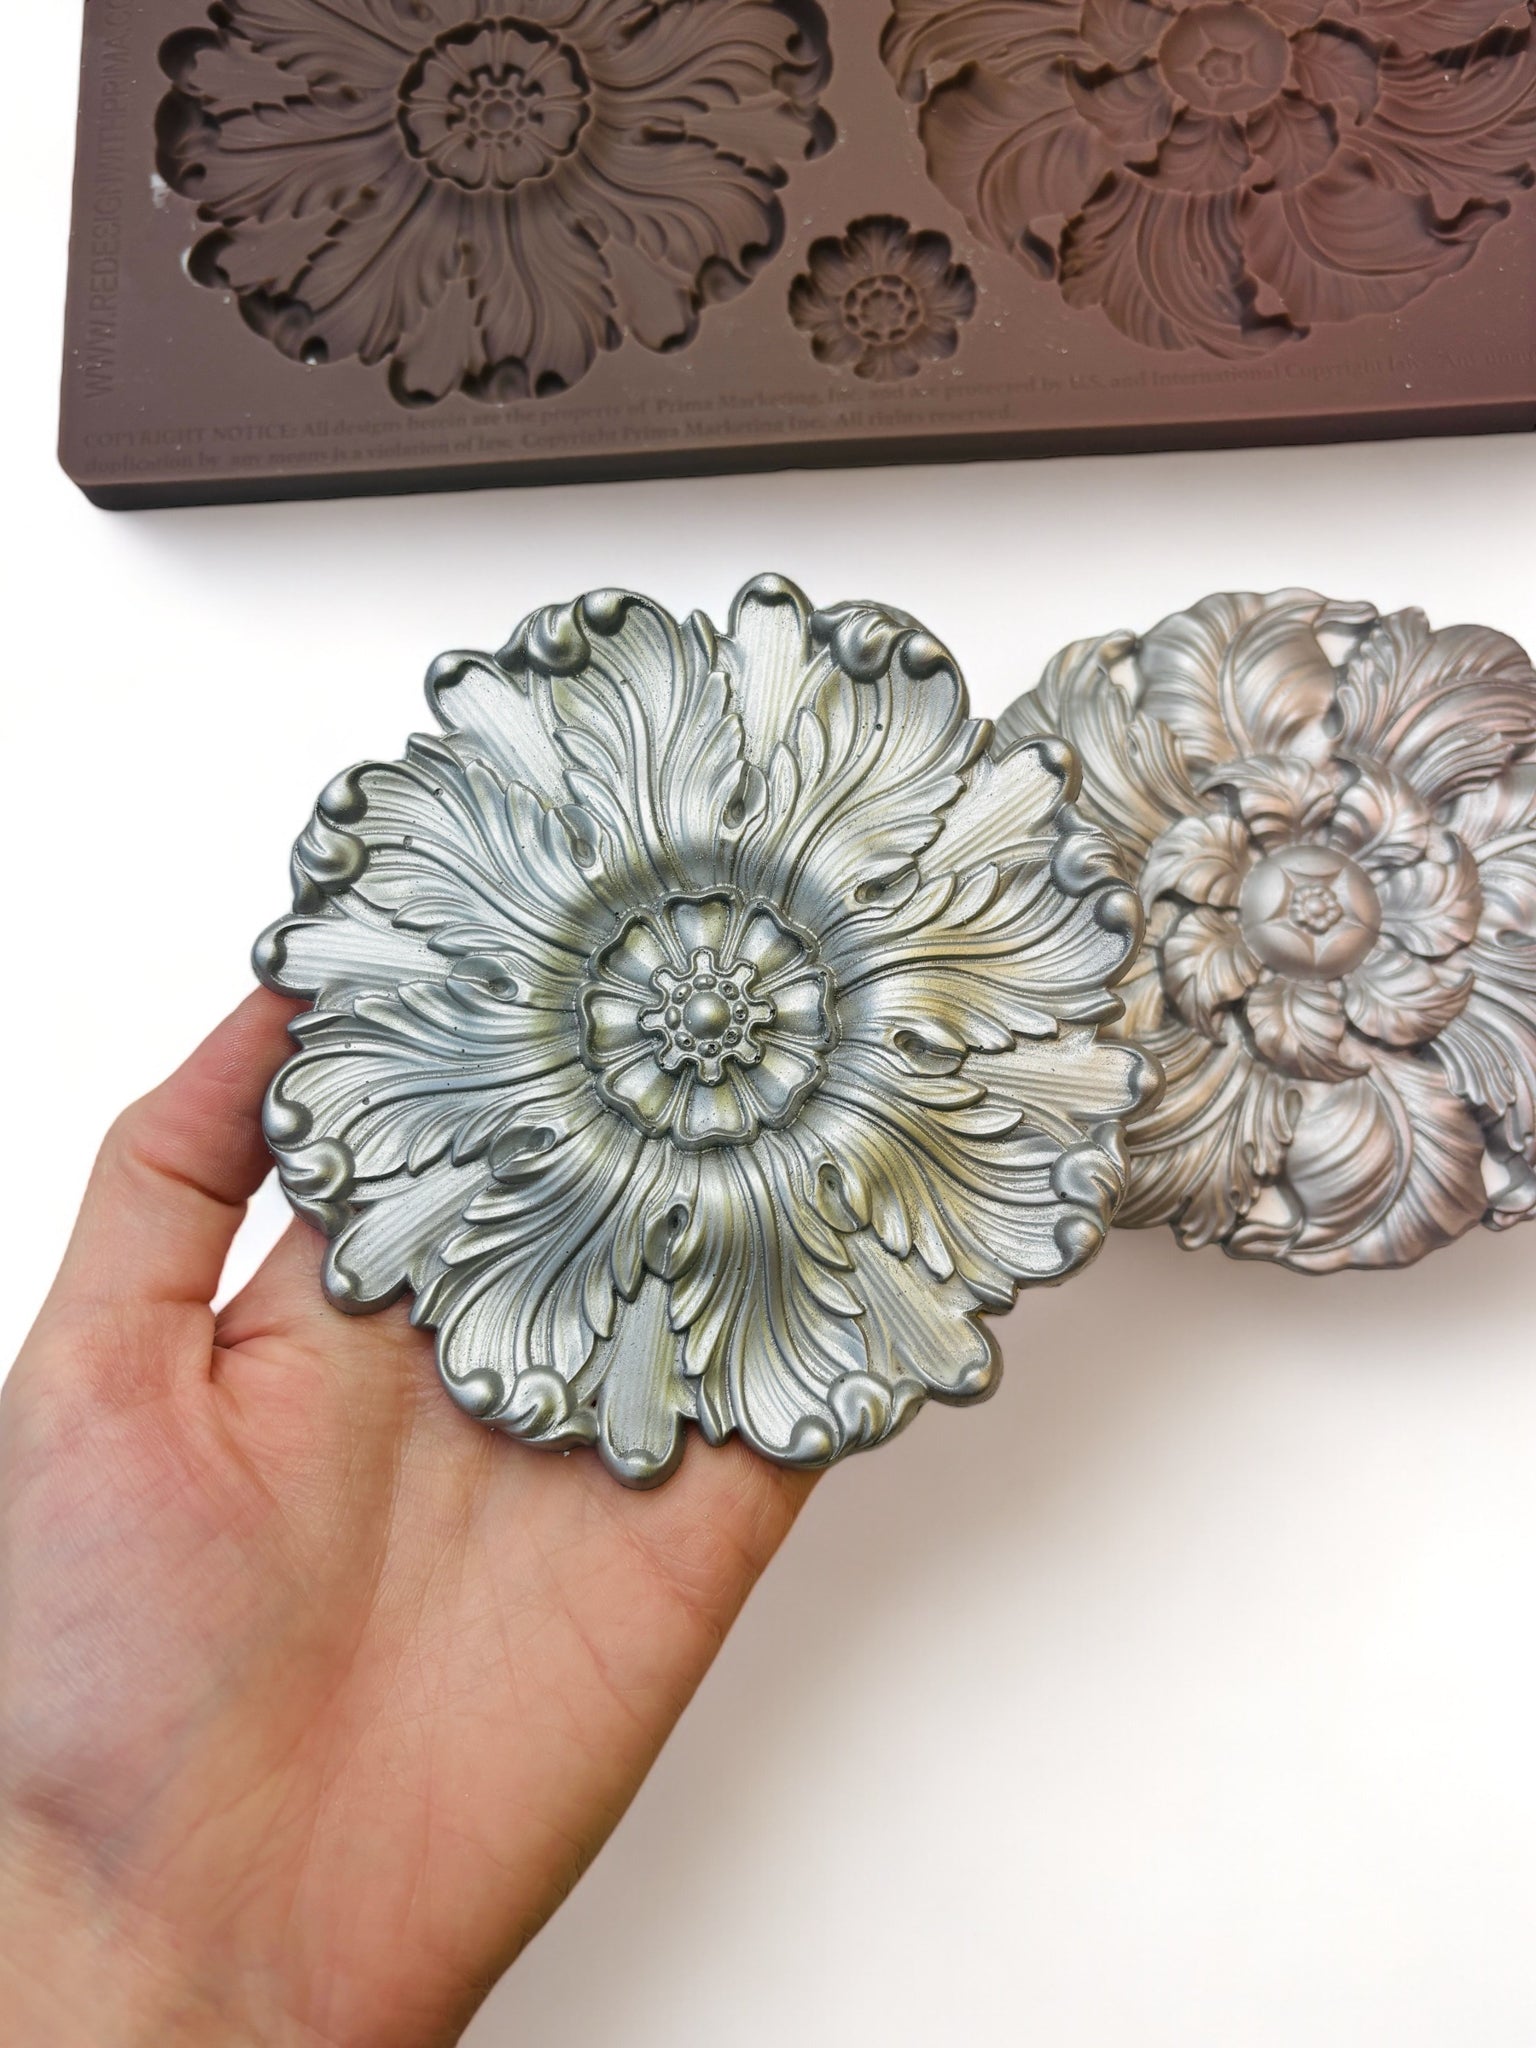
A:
[(707, 1026), (1332, 817)]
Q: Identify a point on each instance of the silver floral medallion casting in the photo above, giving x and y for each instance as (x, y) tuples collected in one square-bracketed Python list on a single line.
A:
[(706, 1027), (1332, 815)]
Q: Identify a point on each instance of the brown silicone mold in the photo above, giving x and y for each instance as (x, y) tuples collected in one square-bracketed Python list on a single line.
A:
[(324, 246)]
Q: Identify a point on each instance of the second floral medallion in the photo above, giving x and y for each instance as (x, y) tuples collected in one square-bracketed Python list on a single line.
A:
[(1331, 815)]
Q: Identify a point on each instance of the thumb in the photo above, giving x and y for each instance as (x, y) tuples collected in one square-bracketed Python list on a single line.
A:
[(173, 1176)]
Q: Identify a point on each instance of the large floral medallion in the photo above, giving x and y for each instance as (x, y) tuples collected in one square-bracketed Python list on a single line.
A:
[(1332, 815), (1225, 174), (706, 1026), (484, 199)]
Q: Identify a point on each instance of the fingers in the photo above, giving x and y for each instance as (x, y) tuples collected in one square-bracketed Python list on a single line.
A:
[(716, 1522), (710, 1532), (172, 1179), (284, 1297), (281, 1330)]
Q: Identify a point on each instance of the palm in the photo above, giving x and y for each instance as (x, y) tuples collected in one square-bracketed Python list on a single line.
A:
[(345, 1690)]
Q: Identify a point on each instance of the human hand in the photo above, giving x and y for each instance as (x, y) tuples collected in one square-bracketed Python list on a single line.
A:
[(315, 1696)]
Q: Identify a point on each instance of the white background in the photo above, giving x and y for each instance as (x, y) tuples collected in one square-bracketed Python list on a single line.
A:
[(1197, 1669)]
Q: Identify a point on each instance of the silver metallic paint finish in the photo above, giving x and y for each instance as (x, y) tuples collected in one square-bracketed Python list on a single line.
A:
[(707, 1026), (1332, 819)]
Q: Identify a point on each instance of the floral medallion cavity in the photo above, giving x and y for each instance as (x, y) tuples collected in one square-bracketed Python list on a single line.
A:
[(1225, 174), (881, 301), (707, 1026), (486, 201), (1332, 816)]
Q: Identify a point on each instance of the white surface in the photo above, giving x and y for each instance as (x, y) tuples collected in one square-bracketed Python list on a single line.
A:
[(1202, 1678)]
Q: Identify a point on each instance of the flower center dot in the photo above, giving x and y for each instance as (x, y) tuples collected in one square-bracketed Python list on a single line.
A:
[(1316, 909), (707, 1015)]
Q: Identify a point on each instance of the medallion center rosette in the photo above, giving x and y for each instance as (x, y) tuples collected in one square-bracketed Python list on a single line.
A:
[(494, 104), (707, 1019), (1310, 910)]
